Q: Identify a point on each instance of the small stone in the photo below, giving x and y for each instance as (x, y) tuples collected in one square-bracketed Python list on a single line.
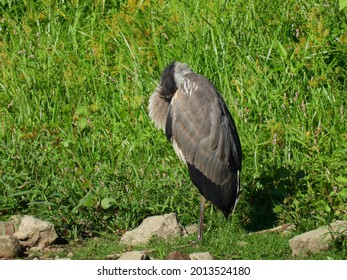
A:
[(70, 254), (192, 229), (9, 247), (201, 256), (134, 255)]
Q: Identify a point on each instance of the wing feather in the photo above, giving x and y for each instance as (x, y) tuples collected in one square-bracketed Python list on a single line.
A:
[(205, 133)]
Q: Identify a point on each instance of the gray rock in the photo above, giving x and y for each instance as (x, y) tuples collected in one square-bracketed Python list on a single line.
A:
[(134, 255), (201, 256), (9, 247), (192, 229), (7, 228), (317, 240), (162, 226), (33, 232)]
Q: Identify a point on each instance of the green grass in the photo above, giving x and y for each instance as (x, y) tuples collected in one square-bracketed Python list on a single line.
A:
[(76, 143)]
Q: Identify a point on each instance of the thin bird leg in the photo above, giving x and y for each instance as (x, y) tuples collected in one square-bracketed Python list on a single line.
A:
[(201, 218)]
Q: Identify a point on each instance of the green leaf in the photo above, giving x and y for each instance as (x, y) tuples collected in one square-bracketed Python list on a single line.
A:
[(282, 50), (89, 201), (82, 110), (82, 123), (122, 112), (343, 193), (343, 4), (84, 201), (342, 180), (66, 143), (107, 202), (278, 209), (327, 208)]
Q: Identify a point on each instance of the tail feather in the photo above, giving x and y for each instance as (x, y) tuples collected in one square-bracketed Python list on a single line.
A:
[(223, 197)]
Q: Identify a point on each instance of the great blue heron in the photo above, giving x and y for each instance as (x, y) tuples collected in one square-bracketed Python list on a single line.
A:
[(194, 116)]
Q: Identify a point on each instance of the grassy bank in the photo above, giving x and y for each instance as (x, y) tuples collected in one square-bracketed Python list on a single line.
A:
[(77, 145)]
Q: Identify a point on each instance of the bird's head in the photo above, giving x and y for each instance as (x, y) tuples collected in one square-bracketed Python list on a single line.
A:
[(171, 77)]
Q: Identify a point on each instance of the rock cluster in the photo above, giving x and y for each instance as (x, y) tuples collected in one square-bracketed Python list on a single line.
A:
[(23, 233), (167, 226)]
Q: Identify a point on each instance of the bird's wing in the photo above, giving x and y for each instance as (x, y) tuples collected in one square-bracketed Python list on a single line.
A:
[(204, 131)]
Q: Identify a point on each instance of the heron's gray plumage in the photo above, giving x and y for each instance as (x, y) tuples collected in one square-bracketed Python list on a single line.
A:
[(195, 117), (158, 108)]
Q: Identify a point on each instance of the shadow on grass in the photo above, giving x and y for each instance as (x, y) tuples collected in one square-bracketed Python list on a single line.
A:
[(264, 193)]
